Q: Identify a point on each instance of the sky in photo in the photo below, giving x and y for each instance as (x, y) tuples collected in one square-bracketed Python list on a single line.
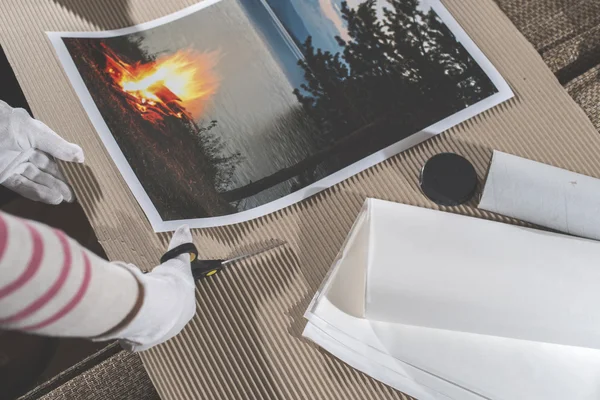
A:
[(321, 19)]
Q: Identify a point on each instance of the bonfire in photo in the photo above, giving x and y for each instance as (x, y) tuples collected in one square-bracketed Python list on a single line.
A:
[(177, 85)]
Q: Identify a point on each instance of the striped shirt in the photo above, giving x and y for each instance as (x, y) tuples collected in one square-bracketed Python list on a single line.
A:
[(51, 285)]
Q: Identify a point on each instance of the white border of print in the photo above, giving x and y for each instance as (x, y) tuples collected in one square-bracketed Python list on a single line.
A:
[(504, 93)]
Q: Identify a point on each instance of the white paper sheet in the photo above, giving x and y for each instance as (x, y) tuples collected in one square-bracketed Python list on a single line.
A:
[(447, 271), (379, 365), (543, 194), (446, 363), (455, 364), (494, 367)]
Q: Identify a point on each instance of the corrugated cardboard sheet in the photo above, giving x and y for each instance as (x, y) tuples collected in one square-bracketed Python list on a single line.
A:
[(245, 342)]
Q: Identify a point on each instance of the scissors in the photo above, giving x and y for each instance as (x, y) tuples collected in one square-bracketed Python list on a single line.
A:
[(202, 269)]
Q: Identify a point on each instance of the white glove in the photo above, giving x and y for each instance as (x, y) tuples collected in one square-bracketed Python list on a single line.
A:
[(26, 150), (169, 301)]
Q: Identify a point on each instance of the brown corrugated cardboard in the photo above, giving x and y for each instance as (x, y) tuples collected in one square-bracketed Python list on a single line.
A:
[(245, 342)]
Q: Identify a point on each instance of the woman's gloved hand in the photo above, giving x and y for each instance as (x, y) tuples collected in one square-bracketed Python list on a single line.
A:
[(27, 148), (168, 301)]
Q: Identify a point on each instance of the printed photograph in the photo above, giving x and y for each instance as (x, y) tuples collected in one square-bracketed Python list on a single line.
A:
[(244, 102)]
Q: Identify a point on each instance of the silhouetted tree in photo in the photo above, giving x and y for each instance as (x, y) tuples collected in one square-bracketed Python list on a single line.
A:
[(327, 101), (397, 75), (473, 84), (221, 165), (406, 67)]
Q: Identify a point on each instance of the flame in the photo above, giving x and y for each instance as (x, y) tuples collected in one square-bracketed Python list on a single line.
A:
[(178, 84)]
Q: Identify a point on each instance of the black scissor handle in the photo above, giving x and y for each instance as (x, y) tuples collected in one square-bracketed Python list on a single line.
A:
[(186, 248), (205, 268), (200, 268)]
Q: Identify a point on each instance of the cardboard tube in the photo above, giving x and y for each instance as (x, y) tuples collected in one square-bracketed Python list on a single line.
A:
[(544, 195)]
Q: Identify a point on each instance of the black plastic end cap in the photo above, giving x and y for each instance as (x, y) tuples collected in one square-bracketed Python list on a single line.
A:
[(448, 179)]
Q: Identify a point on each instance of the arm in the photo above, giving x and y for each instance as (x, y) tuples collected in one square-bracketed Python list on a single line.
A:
[(50, 285)]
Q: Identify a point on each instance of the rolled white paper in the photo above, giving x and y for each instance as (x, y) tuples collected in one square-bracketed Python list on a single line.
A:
[(543, 195)]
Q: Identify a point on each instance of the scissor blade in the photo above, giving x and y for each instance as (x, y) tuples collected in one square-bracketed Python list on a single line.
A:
[(264, 247)]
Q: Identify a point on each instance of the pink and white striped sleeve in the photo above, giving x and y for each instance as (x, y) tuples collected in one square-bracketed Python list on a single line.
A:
[(50, 285)]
